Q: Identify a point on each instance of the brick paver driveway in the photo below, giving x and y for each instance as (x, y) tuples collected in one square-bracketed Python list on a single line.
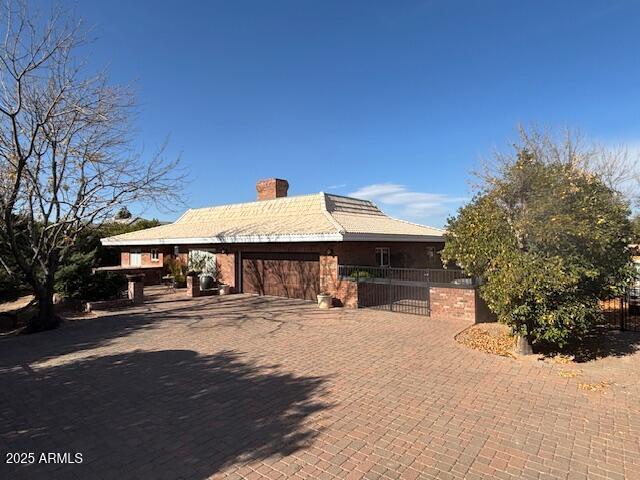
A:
[(252, 387)]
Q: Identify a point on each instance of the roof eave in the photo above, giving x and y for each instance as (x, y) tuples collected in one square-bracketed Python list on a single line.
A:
[(320, 237), (390, 237)]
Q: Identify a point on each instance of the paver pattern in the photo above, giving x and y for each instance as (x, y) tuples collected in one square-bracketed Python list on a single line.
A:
[(256, 387)]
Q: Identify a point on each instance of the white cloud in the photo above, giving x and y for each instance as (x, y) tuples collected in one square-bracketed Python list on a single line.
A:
[(404, 203)]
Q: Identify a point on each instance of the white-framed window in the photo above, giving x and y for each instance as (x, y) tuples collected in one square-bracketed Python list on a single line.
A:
[(382, 256), (155, 255), (135, 257)]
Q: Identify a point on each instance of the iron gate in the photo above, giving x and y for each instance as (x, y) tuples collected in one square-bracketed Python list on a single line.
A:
[(404, 290), (623, 312)]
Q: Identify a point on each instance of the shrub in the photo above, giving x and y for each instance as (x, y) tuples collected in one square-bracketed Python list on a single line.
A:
[(549, 240), (360, 274), (76, 280), (178, 270)]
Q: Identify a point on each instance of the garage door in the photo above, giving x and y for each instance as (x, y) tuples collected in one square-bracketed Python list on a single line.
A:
[(281, 274)]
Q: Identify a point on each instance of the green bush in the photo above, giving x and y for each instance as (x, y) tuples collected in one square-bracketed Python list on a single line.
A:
[(549, 240), (360, 274), (11, 287), (178, 270), (75, 280)]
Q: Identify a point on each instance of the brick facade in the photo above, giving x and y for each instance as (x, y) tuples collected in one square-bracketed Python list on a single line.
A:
[(330, 254), (445, 302), (227, 267), (145, 257)]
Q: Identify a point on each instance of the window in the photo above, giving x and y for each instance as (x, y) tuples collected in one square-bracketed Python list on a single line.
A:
[(155, 256), (135, 257), (382, 256)]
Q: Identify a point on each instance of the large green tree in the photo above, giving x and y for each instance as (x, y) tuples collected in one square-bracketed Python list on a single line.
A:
[(548, 238)]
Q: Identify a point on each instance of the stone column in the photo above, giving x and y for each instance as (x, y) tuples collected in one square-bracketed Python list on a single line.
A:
[(136, 288)]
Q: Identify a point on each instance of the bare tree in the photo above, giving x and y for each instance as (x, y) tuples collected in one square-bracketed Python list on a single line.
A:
[(616, 166), (66, 156)]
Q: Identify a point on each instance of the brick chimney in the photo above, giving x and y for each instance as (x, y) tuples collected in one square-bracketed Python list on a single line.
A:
[(272, 188)]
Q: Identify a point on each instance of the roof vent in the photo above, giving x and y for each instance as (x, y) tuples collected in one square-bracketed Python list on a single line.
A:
[(272, 188)]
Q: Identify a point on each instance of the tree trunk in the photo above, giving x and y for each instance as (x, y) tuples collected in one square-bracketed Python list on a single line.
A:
[(523, 346), (46, 318)]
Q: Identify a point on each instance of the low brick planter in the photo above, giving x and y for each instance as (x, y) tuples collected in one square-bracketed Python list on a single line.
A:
[(108, 304)]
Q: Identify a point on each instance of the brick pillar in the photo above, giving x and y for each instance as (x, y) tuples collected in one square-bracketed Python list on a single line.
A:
[(135, 289), (328, 273), (344, 292), (193, 285)]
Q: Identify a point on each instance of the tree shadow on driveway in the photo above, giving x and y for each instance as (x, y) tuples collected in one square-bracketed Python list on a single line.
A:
[(163, 414), (87, 334), (601, 342)]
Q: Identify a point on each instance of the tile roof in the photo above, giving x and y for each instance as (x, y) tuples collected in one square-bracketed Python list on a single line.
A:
[(315, 217)]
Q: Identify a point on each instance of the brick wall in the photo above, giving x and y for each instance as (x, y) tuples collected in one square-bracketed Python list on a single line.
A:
[(227, 265), (125, 257), (462, 303), (449, 302)]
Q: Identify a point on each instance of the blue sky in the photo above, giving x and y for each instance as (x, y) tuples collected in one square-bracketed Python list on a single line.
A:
[(396, 101)]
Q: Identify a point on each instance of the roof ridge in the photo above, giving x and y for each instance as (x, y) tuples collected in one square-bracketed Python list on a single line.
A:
[(327, 213), (257, 201)]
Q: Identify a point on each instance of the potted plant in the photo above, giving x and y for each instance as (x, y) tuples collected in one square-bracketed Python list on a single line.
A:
[(204, 263), (325, 300)]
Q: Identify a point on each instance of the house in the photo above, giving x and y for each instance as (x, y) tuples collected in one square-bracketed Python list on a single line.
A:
[(285, 246)]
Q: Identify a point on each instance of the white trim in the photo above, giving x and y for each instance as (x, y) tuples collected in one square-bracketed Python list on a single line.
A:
[(382, 251), (320, 237), (390, 237)]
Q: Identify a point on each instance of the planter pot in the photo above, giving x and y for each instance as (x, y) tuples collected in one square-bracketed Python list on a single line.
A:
[(325, 301), (206, 282), (224, 289)]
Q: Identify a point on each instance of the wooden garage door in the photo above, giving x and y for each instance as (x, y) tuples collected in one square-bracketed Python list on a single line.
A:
[(281, 274)]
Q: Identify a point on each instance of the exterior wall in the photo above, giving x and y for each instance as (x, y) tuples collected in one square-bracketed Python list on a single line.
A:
[(227, 265), (331, 254), (146, 257), (402, 254)]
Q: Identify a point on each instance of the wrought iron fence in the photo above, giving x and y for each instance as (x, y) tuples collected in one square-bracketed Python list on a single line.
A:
[(403, 290), (623, 312), (361, 273)]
